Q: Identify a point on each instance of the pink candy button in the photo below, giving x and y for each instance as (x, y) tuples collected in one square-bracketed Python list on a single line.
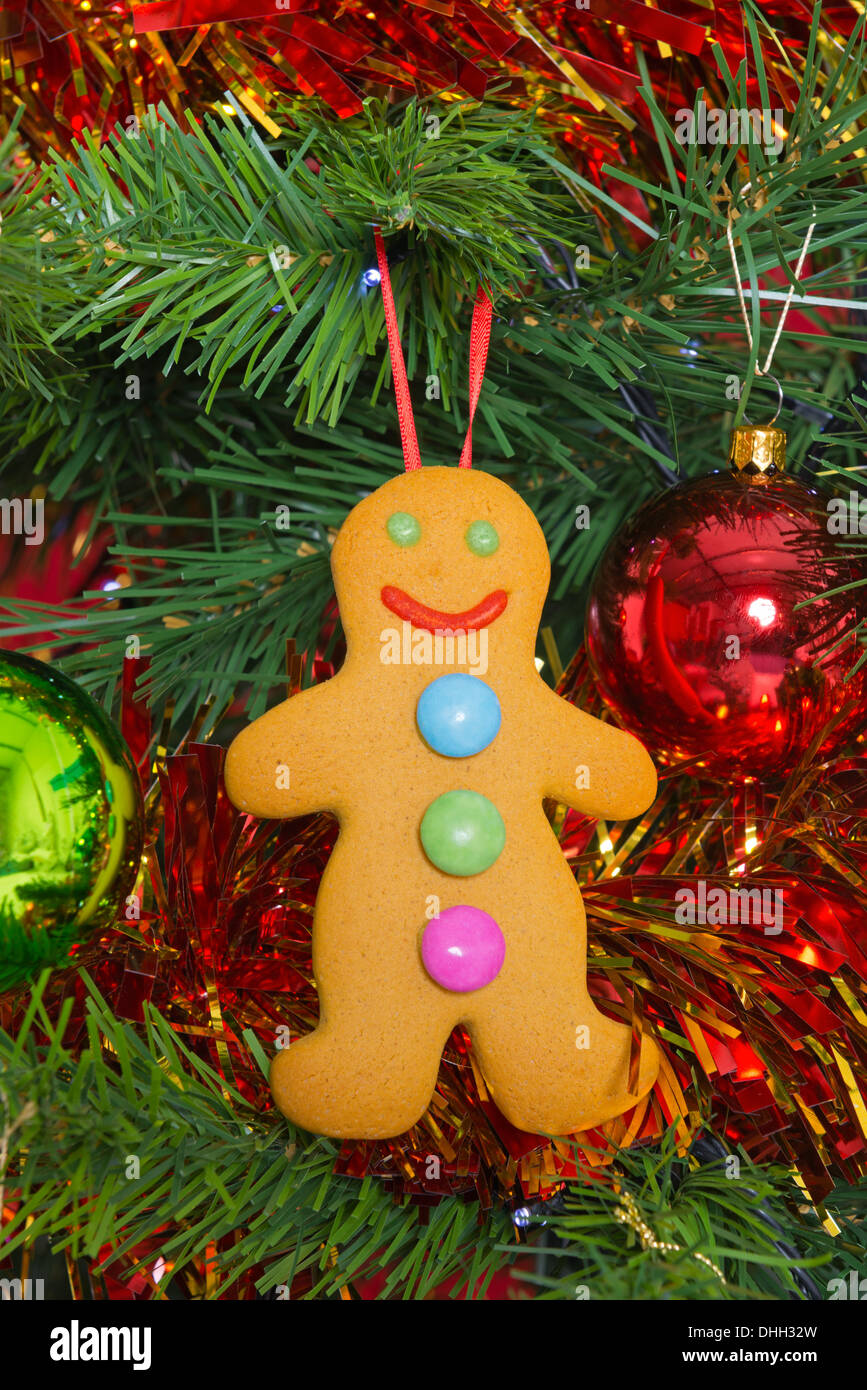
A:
[(463, 949)]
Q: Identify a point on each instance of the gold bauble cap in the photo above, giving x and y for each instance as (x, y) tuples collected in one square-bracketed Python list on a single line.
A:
[(757, 450)]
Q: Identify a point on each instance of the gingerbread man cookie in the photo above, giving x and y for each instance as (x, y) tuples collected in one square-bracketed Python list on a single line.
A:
[(447, 899)]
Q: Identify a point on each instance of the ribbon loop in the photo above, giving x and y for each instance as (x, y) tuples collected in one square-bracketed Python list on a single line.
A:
[(480, 337), (408, 438)]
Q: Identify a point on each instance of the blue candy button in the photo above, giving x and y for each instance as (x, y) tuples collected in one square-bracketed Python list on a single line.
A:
[(458, 715)]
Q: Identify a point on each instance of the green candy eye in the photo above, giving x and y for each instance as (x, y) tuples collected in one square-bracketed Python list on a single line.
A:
[(403, 528), (481, 538)]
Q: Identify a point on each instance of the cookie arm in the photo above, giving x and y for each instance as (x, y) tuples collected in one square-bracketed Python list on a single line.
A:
[(285, 763), (596, 768)]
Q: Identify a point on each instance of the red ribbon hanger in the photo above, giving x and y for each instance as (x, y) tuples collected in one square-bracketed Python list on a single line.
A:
[(480, 337)]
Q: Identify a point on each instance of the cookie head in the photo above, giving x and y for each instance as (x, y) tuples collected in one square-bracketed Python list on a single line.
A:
[(444, 549)]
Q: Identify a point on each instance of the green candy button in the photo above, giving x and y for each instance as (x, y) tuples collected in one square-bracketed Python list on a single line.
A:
[(403, 528), (462, 833), (482, 538)]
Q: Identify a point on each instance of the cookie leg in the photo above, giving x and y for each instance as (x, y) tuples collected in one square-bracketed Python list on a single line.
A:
[(361, 1075), (561, 1067)]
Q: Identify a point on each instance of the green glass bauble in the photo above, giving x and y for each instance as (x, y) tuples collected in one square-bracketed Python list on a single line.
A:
[(71, 819)]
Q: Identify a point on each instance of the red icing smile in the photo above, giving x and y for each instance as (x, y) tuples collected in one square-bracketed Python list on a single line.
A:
[(411, 611)]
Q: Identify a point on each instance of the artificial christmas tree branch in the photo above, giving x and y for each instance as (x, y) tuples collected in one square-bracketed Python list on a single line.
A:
[(135, 1137), (33, 300), (170, 218), (223, 241), (134, 1143), (708, 1229)]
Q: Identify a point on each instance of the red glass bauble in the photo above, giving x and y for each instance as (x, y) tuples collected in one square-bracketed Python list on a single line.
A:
[(695, 635)]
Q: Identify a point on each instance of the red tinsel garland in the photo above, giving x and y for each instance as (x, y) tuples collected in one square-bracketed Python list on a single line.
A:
[(96, 64)]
